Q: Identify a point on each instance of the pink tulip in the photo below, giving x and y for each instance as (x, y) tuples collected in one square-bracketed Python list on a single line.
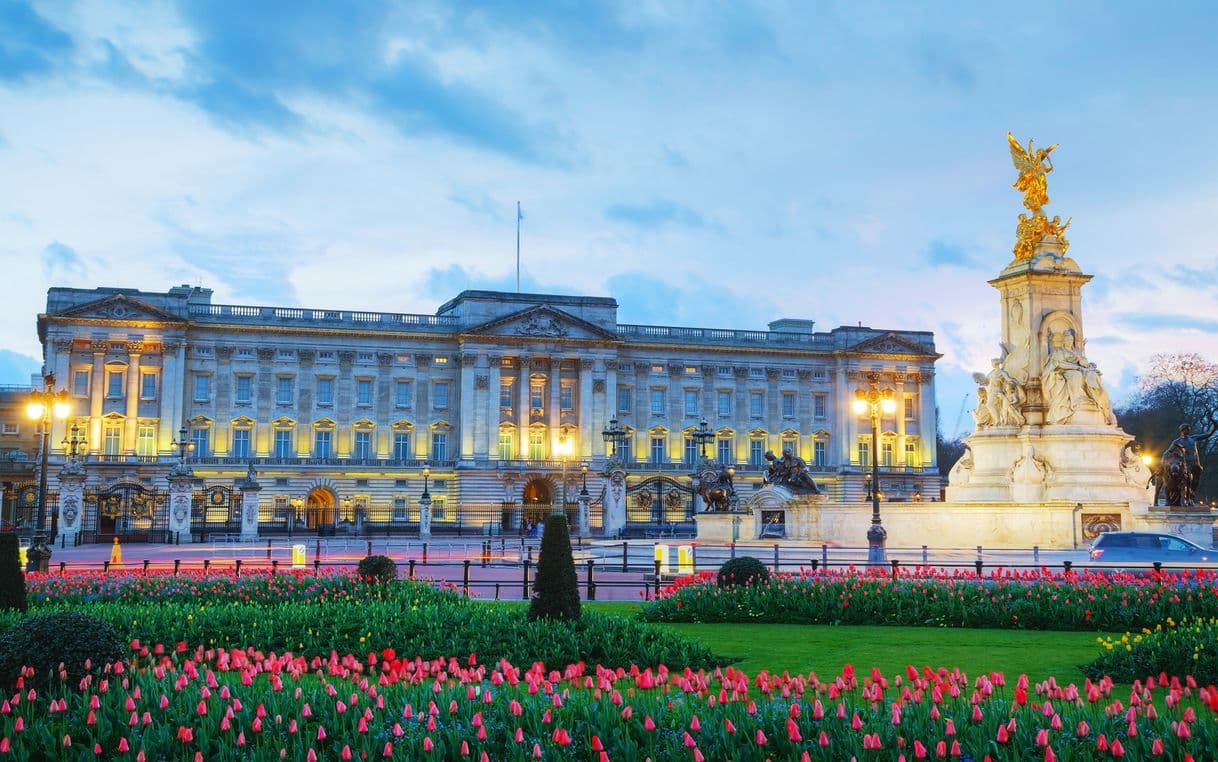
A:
[(428, 745), (761, 739), (388, 750), (648, 724)]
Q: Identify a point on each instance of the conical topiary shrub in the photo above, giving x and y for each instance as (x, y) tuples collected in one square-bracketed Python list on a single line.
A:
[(556, 591), (12, 578)]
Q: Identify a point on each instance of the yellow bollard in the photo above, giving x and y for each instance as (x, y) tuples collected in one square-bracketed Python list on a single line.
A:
[(662, 557), (22, 558), (685, 559), (298, 556), (116, 554)]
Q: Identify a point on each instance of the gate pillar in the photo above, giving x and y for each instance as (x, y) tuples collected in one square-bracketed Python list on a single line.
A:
[(71, 500), (250, 488), (181, 479)]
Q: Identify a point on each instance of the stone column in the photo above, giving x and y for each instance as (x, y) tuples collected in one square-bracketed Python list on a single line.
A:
[(71, 500), (899, 455), (847, 422), (60, 361), (490, 445), (466, 420), (522, 407), (425, 517), (250, 488), (134, 352), (171, 388), (97, 394), (554, 414), (181, 482), (614, 517), (585, 522), (609, 406), (179, 391), (926, 418), (587, 432)]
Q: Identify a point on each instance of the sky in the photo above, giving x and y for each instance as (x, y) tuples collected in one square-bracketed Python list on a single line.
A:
[(716, 164)]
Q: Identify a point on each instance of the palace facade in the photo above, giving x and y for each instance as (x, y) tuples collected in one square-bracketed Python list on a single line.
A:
[(340, 411)]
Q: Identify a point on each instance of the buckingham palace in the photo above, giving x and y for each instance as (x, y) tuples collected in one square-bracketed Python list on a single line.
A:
[(497, 407)]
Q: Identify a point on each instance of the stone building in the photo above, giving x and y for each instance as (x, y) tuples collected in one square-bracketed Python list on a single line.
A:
[(19, 451), (340, 411)]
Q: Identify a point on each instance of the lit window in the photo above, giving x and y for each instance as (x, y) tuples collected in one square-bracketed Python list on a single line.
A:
[(691, 451), (886, 454), (820, 454), (537, 445), (283, 444), (507, 440), (911, 453), (658, 369), (536, 393), (441, 360), (725, 451), (201, 438), (112, 441), (145, 442), (657, 450), (505, 395), (439, 446), (865, 454), (756, 452), (399, 509)]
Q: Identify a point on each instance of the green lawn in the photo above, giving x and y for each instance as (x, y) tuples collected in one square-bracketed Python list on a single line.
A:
[(825, 649)]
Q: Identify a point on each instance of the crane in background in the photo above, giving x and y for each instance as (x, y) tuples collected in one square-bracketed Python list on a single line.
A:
[(960, 416)]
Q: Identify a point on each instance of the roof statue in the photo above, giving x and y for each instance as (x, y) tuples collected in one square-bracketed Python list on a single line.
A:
[(1034, 165)]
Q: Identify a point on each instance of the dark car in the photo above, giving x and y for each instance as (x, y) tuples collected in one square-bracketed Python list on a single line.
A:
[(1145, 548)]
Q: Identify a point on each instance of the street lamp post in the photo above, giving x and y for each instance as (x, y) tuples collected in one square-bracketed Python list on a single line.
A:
[(564, 449), (43, 406), (425, 507), (875, 401), (613, 435), (702, 435)]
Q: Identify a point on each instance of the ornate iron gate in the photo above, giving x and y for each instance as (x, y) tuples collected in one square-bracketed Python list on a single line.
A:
[(215, 509), (127, 510), (658, 501)]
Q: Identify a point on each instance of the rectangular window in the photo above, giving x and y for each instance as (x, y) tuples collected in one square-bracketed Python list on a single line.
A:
[(536, 395), (657, 450), (506, 439), (911, 453), (441, 396), (756, 372), (323, 441), (438, 509), (725, 404), (245, 351), (657, 401), (364, 357), (788, 405), (657, 369), (80, 383), (724, 371), (399, 509), (201, 438), (725, 452), (112, 441), (147, 386), (886, 454), (691, 402), (287, 354), (755, 404), (363, 391), (505, 395), (623, 399), (10, 428), (325, 391), (439, 446), (537, 445), (788, 373), (283, 444), (865, 454), (202, 387), (114, 384), (244, 391), (820, 405), (566, 398), (241, 443), (283, 390), (911, 405), (401, 446), (691, 451), (363, 445), (401, 393), (756, 452), (820, 454), (145, 442), (818, 374), (325, 355)]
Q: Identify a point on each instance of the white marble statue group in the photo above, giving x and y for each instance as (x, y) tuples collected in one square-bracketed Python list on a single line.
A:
[(1068, 384)]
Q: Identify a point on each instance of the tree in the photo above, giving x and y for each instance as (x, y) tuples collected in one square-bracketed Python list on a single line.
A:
[(12, 579), (556, 591), (1178, 388)]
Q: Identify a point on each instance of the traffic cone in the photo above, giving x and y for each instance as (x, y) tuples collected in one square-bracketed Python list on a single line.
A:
[(116, 554)]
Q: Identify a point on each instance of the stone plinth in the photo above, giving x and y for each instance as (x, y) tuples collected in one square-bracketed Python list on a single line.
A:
[(614, 509), (725, 526), (1194, 525), (71, 501)]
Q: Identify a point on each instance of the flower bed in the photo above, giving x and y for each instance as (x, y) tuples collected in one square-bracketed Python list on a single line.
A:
[(925, 597), (244, 704), (1190, 647), (337, 612)]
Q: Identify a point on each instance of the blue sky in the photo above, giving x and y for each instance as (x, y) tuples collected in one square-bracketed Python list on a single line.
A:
[(842, 162)]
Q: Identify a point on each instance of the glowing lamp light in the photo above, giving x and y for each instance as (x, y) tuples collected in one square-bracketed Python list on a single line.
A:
[(1147, 459), (888, 405), (860, 405), (61, 409), (35, 410)]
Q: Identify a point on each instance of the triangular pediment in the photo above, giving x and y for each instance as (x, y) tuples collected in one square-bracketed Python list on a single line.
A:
[(891, 344), (119, 307), (542, 322)]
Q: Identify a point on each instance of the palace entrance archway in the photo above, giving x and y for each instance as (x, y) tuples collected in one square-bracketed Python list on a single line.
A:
[(320, 508), (537, 497)]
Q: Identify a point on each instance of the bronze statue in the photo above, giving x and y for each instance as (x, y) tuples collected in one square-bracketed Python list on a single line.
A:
[(790, 471), (717, 492), (1179, 473)]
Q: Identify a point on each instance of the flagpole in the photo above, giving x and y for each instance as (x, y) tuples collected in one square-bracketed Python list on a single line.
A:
[(518, 216)]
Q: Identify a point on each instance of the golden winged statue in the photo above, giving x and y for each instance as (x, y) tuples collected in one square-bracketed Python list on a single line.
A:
[(1033, 165)]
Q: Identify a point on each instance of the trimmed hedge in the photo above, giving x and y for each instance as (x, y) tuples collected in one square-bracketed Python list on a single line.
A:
[(80, 643), (744, 570)]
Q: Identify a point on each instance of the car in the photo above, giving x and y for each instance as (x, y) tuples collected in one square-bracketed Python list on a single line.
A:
[(1146, 548)]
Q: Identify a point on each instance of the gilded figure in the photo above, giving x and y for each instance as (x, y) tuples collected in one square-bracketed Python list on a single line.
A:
[(1034, 165)]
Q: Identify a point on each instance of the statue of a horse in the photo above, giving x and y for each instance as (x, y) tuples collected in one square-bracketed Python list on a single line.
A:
[(716, 492)]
